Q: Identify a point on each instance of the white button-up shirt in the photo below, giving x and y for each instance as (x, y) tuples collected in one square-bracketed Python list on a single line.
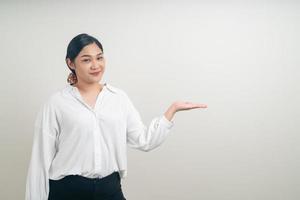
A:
[(71, 138)]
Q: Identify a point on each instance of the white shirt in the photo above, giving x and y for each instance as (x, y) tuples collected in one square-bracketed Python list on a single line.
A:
[(71, 138)]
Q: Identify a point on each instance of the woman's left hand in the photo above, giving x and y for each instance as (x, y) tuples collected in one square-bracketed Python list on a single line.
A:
[(182, 105), (185, 105)]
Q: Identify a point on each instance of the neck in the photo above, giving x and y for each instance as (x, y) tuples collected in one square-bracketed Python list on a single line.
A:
[(88, 88)]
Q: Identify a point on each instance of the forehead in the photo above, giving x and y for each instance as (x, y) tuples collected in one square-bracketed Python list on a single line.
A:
[(91, 49)]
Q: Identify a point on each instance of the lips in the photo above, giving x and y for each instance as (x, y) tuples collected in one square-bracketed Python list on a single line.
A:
[(95, 73)]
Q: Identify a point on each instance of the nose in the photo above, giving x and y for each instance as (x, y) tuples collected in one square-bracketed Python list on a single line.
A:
[(95, 65)]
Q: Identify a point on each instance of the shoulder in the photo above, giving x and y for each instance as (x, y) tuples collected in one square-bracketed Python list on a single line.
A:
[(121, 93), (115, 90), (56, 97)]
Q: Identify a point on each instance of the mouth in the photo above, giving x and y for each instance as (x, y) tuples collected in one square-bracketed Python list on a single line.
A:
[(95, 73)]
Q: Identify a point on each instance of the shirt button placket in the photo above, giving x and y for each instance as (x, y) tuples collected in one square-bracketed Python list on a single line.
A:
[(96, 146)]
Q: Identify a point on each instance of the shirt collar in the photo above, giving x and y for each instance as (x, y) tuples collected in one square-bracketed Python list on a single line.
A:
[(108, 86)]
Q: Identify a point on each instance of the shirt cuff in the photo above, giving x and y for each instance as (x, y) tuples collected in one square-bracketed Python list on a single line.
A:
[(166, 122)]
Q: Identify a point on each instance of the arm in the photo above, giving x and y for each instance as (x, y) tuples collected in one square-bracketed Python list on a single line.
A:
[(146, 139), (141, 137), (43, 151)]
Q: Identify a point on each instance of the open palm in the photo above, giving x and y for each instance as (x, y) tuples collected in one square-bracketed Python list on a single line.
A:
[(185, 105)]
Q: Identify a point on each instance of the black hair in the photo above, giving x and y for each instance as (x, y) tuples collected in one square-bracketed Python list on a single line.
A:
[(77, 44)]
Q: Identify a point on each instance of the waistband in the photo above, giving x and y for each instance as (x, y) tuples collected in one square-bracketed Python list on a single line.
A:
[(112, 175)]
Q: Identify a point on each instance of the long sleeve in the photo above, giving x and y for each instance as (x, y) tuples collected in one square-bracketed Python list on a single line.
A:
[(43, 152), (143, 138)]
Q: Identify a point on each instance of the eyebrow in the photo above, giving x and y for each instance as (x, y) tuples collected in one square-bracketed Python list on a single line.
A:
[(90, 55)]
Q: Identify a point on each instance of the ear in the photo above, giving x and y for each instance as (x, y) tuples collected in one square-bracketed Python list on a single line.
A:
[(70, 63)]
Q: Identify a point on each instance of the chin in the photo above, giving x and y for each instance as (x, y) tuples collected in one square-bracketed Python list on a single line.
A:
[(96, 80)]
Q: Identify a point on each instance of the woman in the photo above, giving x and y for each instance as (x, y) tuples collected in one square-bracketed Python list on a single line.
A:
[(81, 132)]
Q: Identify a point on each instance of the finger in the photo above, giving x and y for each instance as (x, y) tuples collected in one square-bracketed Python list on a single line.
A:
[(200, 105)]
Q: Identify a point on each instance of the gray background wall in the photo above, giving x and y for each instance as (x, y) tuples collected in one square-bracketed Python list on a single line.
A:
[(241, 58)]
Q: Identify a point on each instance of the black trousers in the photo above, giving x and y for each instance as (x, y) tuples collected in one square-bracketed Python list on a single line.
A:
[(75, 187)]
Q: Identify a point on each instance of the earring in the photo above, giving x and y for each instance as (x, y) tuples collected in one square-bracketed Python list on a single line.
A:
[(72, 78)]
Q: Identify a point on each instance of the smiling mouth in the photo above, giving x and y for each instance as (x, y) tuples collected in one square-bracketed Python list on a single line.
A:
[(95, 73)]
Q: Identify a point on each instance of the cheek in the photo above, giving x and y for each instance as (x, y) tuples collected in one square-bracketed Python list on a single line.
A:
[(82, 70)]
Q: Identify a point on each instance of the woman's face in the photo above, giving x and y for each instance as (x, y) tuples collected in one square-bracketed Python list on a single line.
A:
[(89, 64)]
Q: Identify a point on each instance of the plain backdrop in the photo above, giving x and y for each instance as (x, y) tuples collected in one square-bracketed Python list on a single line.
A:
[(241, 58)]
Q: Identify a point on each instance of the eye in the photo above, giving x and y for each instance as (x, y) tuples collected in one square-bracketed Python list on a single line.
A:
[(86, 60), (100, 58)]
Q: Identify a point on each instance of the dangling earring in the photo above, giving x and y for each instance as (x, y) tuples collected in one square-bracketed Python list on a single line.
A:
[(72, 78)]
